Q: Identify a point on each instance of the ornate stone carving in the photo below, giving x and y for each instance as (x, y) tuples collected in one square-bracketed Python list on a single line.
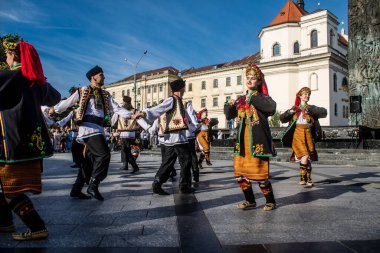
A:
[(364, 59)]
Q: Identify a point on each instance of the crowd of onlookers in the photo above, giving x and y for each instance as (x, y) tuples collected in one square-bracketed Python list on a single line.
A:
[(147, 141), (62, 139)]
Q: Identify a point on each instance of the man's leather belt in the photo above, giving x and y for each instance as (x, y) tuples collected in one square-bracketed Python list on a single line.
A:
[(93, 119)]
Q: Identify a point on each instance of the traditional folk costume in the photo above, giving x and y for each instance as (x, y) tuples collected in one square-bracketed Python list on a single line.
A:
[(24, 139), (94, 112), (128, 129), (254, 144), (193, 127), (302, 133), (176, 144), (192, 123), (157, 128), (203, 138), (76, 148)]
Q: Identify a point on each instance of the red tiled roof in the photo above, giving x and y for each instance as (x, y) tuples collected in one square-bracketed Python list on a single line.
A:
[(342, 40), (170, 69), (290, 13), (254, 58)]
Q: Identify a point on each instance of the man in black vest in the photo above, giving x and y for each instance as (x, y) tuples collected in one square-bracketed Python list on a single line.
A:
[(175, 140), (95, 108)]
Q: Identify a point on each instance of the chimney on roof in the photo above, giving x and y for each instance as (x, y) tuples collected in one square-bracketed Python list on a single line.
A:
[(301, 4)]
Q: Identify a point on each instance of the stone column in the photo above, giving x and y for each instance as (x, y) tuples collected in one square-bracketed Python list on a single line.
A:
[(364, 59)]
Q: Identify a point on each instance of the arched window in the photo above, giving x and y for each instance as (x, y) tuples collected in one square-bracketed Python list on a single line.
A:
[(344, 84), (313, 81), (296, 48), (335, 83), (276, 49), (332, 35), (314, 38)]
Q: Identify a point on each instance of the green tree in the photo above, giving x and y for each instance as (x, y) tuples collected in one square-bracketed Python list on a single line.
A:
[(274, 120)]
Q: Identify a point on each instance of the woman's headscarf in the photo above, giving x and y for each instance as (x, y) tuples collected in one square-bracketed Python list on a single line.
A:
[(254, 70), (31, 66), (299, 93)]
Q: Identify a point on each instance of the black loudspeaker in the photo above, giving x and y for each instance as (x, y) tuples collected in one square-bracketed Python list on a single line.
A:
[(355, 104)]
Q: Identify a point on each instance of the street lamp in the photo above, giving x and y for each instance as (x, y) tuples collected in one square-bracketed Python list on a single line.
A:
[(134, 75)]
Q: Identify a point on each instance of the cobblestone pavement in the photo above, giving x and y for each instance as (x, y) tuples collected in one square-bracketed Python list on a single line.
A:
[(339, 214)]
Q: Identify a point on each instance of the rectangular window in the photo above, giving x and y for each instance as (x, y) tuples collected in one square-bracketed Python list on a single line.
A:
[(215, 83), (139, 91), (190, 87), (148, 90), (215, 102), (160, 87), (122, 93), (335, 109), (228, 98), (238, 80), (113, 94), (228, 81), (128, 92), (155, 89), (203, 102), (148, 104), (344, 111), (203, 85)]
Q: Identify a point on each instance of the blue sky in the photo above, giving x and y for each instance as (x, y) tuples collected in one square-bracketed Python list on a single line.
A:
[(73, 36)]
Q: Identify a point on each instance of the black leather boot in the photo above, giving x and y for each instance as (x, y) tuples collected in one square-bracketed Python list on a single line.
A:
[(135, 167), (201, 158), (156, 186), (76, 192), (196, 176), (124, 167), (93, 190)]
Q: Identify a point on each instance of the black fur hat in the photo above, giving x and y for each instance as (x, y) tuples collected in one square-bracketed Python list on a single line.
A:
[(95, 70), (177, 85)]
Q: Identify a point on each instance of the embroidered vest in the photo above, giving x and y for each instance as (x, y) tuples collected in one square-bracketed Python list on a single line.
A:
[(174, 119), (85, 93), (127, 125), (161, 126)]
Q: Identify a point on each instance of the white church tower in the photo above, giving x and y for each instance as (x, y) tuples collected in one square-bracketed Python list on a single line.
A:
[(300, 49)]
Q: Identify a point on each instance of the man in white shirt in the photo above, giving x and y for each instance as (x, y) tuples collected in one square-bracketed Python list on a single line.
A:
[(94, 112), (127, 130), (174, 126)]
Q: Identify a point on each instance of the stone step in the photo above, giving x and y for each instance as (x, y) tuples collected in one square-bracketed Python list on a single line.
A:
[(329, 156)]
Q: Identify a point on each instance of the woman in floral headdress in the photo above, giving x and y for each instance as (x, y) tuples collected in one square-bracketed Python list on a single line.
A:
[(254, 144), (203, 137), (302, 133), (24, 138)]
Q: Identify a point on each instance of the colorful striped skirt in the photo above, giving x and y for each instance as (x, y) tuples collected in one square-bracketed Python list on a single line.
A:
[(302, 144), (203, 141), (21, 177), (248, 166)]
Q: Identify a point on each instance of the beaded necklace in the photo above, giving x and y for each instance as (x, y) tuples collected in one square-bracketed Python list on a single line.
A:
[(97, 92), (16, 66)]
